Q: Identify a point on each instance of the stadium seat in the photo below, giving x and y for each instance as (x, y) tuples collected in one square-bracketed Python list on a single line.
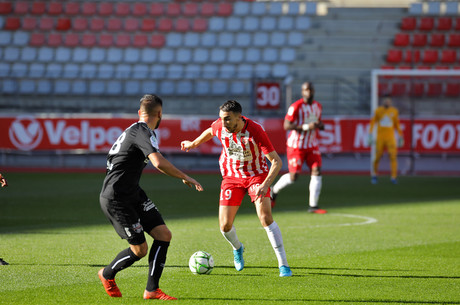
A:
[(140, 71), (293, 8), (79, 87), (80, 24), (139, 9), (174, 40), (302, 23), (12, 23), (97, 24), (89, 8), (408, 24), (183, 55), (175, 71), (448, 56), (276, 8), (451, 8), (70, 70), (122, 9), (417, 89), (234, 23), (21, 7), (165, 25), (63, 24), (401, 40), (250, 23), (268, 23), (46, 24), (434, 89), (123, 71), (218, 55), (394, 56), (224, 9), (295, 39), (241, 8), (287, 55), (114, 55), (444, 24), (411, 56), (253, 55), (38, 8), (452, 89), (216, 24), (235, 55), (45, 54), (190, 9), (243, 39), (200, 55), (258, 8), (105, 40), (29, 23), (72, 8), (199, 25), (62, 54), (457, 24), (182, 25), (207, 9), (55, 8), (277, 39), (148, 25), (114, 25), (20, 38), (36, 70), (123, 40), (157, 41), (208, 39), (6, 8), (19, 69), (11, 54), (37, 39), (192, 40), (225, 39), (426, 24), (398, 89), (105, 9), (26, 86), (28, 54), (5, 38), (71, 39), (286, 23), (280, 70), (260, 39), (419, 40), (88, 40), (173, 9), (437, 40), (453, 40), (157, 9), (114, 87), (140, 40), (429, 56), (54, 39)]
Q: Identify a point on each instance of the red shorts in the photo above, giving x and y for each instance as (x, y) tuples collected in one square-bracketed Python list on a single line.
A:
[(297, 157), (232, 189)]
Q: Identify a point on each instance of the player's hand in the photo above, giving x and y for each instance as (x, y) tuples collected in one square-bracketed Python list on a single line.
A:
[(192, 182), (261, 191), (3, 181), (400, 142), (186, 145), (370, 140), (319, 125)]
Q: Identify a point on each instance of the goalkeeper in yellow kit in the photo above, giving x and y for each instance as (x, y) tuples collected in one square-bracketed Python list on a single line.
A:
[(387, 120)]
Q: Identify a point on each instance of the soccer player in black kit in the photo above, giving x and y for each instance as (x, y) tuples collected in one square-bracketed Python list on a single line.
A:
[(127, 206)]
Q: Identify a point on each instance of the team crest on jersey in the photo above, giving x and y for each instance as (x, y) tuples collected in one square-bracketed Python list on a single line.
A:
[(154, 142), (237, 152)]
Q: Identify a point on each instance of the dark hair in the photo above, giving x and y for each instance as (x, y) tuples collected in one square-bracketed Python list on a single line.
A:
[(232, 106), (150, 102)]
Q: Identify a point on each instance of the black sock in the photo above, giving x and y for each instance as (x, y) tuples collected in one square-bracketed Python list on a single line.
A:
[(157, 259), (123, 260)]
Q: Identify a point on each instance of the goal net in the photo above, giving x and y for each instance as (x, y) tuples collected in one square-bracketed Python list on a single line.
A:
[(429, 110)]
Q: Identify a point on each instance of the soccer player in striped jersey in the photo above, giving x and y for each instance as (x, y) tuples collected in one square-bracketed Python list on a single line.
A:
[(245, 148), (303, 120)]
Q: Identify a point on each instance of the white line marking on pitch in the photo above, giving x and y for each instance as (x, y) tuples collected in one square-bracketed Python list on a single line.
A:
[(367, 221)]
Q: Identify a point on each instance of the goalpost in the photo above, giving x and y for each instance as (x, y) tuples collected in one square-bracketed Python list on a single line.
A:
[(429, 109)]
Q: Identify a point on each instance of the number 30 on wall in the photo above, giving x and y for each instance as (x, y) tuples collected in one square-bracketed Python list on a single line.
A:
[(268, 96)]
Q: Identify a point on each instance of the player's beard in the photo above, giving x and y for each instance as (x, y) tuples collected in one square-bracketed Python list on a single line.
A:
[(158, 123), (232, 128)]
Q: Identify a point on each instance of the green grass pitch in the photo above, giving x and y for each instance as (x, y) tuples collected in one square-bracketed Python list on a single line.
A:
[(379, 244)]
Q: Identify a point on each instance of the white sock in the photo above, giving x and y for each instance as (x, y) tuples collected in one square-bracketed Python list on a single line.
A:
[(315, 189), (274, 235), (284, 181), (232, 238)]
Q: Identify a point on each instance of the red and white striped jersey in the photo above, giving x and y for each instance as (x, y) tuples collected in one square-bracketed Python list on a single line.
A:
[(302, 113), (243, 153)]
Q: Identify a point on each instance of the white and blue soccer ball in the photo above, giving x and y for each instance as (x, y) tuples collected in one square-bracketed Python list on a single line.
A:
[(201, 262)]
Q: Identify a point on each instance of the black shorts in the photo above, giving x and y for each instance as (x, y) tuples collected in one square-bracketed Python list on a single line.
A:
[(130, 218)]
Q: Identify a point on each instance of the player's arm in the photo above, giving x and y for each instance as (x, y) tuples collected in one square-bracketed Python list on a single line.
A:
[(166, 167), (3, 181), (204, 137), (275, 167), (288, 125)]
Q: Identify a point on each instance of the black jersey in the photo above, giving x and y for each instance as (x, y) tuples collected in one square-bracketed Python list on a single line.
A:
[(126, 160)]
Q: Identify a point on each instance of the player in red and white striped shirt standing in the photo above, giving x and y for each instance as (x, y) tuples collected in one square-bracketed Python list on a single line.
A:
[(245, 148), (303, 119)]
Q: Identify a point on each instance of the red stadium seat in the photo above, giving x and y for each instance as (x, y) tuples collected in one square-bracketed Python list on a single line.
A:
[(452, 89), (37, 39), (148, 25), (114, 24), (157, 41), (398, 89), (12, 23), (457, 24), (437, 40), (80, 24), (38, 8), (165, 25), (97, 24), (426, 24), (71, 40), (429, 56), (29, 23), (54, 40), (88, 40), (55, 8), (105, 40), (448, 56), (394, 56), (72, 8), (383, 89), (434, 89), (123, 40), (105, 9), (444, 24), (411, 56), (207, 9), (454, 40), (401, 40), (89, 8), (224, 9), (5, 8), (182, 25), (157, 9), (131, 24), (408, 23), (419, 40), (173, 9), (46, 24), (417, 89), (190, 9), (140, 40), (63, 24), (139, 9), (21, 7), (199, 25), (122, 9)]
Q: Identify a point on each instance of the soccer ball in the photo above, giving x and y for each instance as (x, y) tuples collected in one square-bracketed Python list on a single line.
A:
[(201, 263)]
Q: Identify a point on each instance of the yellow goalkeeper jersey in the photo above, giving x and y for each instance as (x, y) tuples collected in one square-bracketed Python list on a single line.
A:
[(387, 120)]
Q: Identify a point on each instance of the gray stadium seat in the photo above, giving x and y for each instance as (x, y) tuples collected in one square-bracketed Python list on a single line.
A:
[(260, 39), (97, 55), (200, 55), (114, 87), (268, 23), (280, 70), (183, 55), (63, 55), (243, 39), (276, 8), (37, 70), (28, 54), (158, 71), (148, 55), (88, 70), (80, 55), (227, 71), (241, 8), (5, 38), (218, 55), (175, 71), (192, 71), (191, 39), (114, 55), (133, 88), (44, 86), (96, 87), (293, 8), (286, 23), (4, 69), (19, 69), (208, 39), (251, 23), (244, 71), (270, 55), (11, 54), (302, 23), (234, 23), (71, 70), (311, 8), (62, 86), (295, 39), (53, 70), (184, 87), (132, 55), (2, 21), (262, 70), (79, 87), (174, 40), (434, 7), (140, 71), (238, 87), (219, 87), (210, 71), (452, 8), (216, 24), (20, 38), (149, 86), (277, 39), (287, 55), (416, 8), (235, 55), (202, 87), (166, 55), (258, 8), (9, 86), (225, 39), (105, 71), (123, 71), (166, 87)]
